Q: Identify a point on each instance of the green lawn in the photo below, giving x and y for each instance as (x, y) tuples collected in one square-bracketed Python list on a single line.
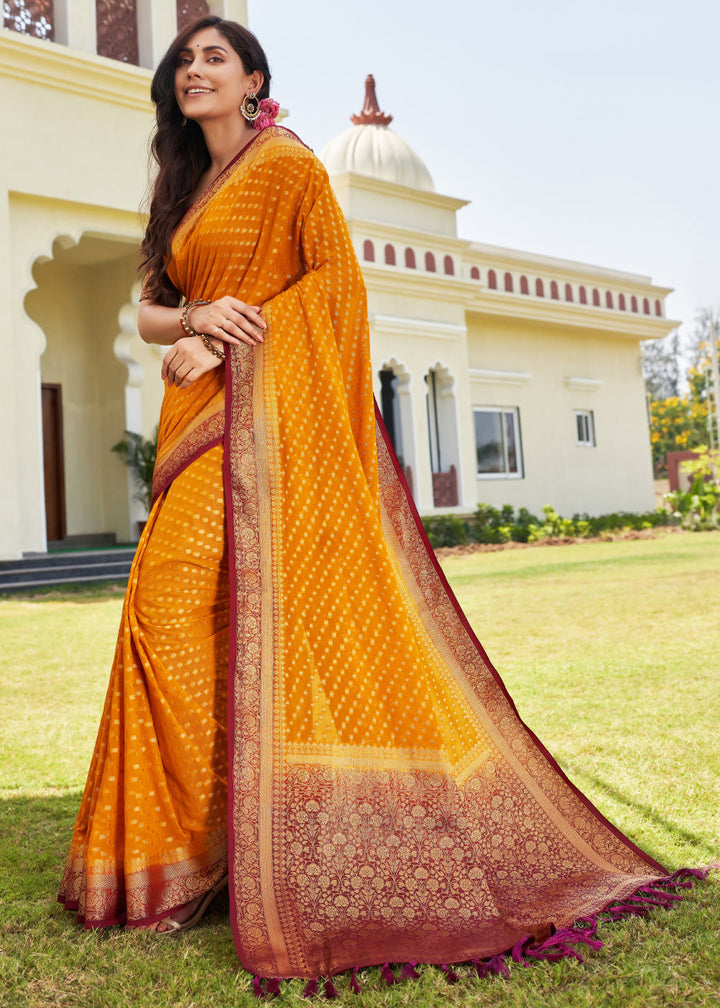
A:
[(611, 653)]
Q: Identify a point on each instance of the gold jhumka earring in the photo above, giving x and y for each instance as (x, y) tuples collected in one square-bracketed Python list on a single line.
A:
[(250, 107)]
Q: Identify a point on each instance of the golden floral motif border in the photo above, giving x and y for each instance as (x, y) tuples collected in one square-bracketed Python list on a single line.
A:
[(245, 686), (206, 434)]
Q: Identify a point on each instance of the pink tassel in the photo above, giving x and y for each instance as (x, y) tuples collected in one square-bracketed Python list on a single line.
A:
[(273, 986), (387, 974), (408, 972), (495, 966), (330, 990), (354, 982), (518, 953), (311, 988), (450, 974), (690, 873), (258, 989), (498, 966)]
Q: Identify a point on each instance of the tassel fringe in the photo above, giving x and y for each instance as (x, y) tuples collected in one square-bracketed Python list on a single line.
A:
[(561, 945)]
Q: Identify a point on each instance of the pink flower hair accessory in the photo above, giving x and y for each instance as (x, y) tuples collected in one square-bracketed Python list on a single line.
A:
[(269, 109)]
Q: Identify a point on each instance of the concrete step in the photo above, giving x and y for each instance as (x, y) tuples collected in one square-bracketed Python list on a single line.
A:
[(70, 567), (69, 558)]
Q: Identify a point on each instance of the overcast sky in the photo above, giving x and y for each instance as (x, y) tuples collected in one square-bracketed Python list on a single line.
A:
[(582, 130)]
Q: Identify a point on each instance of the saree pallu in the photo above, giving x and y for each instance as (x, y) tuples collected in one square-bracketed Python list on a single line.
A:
[(385, 801)]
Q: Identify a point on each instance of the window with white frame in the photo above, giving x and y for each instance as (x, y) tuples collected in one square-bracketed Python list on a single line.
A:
[(497, 442), (585, 428)]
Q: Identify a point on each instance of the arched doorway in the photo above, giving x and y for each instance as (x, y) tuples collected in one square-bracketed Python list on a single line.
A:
[(83, 290), (396, 409), (442, 435)]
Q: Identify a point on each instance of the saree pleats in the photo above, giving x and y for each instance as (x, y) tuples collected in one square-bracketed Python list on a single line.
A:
[(151, 831)]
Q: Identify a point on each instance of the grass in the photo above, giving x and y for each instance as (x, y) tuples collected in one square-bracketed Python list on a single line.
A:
[(610, 651)]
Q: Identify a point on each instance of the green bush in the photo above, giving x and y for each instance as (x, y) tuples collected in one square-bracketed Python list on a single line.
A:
[(138, 454), (500, 525), (445, 530), (698, 508)]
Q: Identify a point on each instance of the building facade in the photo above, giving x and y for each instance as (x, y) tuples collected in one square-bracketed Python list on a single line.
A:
[(505, 377)]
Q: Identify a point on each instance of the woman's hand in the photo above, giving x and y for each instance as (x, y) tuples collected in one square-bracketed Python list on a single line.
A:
[(229, 320), (186, 361)]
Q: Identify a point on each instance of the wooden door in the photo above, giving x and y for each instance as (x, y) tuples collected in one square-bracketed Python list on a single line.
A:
[(53, 461)]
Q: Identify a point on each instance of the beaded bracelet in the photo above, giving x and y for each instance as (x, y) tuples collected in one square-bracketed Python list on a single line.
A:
[(185, 322), (207, 342), (209, 345)]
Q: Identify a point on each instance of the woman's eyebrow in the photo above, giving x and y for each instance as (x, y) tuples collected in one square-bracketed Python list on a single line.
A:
[(187, 49)]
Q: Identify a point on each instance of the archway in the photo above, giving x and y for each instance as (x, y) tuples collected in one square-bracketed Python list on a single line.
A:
[(85, 294), (396, 409), (442, 435)]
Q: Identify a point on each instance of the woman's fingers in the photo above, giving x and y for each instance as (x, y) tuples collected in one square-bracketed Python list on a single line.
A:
[(186, 361), (230, 320)]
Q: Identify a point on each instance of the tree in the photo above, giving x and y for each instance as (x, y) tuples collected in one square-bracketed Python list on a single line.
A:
[(661, 366), (676, 424), (679, 423)]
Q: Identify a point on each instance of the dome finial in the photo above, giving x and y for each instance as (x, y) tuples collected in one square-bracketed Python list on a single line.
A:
[(371, 114)]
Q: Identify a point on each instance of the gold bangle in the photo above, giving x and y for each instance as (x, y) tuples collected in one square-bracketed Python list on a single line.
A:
[(185, 322), (209, 345)]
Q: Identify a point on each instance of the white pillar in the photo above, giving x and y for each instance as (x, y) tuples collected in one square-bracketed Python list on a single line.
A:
[(231, 10), (123, 348), (75, 24), (157, 27)]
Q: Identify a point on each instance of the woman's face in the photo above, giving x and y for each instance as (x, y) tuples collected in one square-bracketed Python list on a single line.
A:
[(210, 80)]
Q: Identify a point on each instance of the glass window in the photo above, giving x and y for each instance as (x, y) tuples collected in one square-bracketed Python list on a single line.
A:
[(585, 428), (497, 442)]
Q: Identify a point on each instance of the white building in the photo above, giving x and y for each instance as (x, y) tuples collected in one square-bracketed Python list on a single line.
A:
[(510, 377), (519, 371)]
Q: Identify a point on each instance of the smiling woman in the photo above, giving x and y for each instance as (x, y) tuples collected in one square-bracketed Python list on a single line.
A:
[(297, 701)]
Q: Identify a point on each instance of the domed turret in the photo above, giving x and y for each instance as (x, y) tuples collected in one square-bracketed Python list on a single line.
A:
[(370, 148)]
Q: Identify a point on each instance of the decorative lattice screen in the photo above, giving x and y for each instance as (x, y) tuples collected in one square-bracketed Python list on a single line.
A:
[(189, 10), (30, 17), (117, 32)]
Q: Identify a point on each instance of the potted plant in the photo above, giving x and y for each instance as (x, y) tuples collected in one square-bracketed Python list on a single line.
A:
[(138, 454)]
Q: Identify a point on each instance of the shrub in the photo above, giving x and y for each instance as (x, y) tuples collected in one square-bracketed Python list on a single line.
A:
[(698, 508), (500, 525), (138, 454), (445, 530)]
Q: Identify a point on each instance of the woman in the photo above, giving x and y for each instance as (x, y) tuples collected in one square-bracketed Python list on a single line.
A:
[(297, 700)]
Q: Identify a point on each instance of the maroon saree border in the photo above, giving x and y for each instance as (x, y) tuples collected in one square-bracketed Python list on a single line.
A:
[(655, 865), (232, 650), (170, 477)]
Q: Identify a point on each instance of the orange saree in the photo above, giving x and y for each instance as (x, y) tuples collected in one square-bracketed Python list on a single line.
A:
[(385, 803)]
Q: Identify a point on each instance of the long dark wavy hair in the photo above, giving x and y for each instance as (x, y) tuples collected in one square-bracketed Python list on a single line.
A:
[(180, 151)]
